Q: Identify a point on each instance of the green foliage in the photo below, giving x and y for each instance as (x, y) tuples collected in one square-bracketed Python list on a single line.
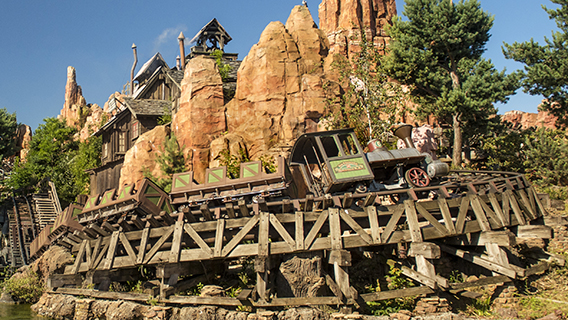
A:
[(371, 102), (170, 161), (8, 126), (437, 53), (224, 68), (26, 288), (545, 65), (481, 307), (166, 117), (395, 281), (547, 157), (87, 157), (196, 290), (52, 152), (233, 162)]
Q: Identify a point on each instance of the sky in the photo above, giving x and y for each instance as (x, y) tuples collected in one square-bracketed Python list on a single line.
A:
[(39, 39)]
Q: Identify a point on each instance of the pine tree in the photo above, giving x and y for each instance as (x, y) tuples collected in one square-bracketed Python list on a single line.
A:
[(546, 66), (438, 54)]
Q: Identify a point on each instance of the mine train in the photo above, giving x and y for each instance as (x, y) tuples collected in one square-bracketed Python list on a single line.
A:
[(323, 167)]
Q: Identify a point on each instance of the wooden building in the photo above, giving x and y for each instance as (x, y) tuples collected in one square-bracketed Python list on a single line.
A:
[(120, 133)]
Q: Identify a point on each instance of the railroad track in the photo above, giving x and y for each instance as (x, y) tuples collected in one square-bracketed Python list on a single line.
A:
[(138, 226)]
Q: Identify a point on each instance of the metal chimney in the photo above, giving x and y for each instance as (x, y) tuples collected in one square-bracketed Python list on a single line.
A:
[(132, 71), (181, 38)]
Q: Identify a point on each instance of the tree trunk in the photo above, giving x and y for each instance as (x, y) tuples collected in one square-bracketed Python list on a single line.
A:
[(457, 154)]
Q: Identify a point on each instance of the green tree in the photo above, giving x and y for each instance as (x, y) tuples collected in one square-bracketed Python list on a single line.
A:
[(546, 66), (52, 150), (170, 161), (438, 54), (371, 102), (547, 157), (8, 126), (88, 156)]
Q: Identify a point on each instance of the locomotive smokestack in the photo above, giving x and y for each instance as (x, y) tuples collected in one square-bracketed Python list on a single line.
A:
[(181, 38), (404, 132), (132, 71)]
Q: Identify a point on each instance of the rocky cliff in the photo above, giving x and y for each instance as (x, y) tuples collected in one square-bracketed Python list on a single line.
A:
[(86, 118), (23, 138), (525, 120), (343, 20)]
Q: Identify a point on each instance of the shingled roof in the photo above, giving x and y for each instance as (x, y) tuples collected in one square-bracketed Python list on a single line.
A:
[(147, 107)]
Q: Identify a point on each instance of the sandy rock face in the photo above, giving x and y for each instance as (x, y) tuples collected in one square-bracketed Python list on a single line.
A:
[(23, 138), (143, 155), (342, 19), (280, 84), (201, 115), (92, 123), (74, 100), (52, 261), (526, 120)]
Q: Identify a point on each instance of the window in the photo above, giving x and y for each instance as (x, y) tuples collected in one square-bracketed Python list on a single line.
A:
[(122, 141), (348, 144), (135, 129)]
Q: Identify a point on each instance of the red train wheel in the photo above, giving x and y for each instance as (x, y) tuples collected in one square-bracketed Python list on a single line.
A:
[(417, 177)]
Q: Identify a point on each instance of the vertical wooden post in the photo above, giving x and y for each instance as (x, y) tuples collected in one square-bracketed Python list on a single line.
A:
[(111, 250), (423, 265)]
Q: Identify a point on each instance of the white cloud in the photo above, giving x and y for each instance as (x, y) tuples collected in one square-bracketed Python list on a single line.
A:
[(168, 37)]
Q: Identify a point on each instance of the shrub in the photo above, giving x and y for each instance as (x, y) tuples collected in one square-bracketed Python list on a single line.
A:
[(26, 287)]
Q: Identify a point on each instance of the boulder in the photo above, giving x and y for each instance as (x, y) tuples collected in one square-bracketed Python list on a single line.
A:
[(52, 261), (201, 114), (93, 122), (341, 20), (142, 156)]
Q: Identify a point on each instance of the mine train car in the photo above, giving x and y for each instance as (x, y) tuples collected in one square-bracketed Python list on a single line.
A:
[(333, 162), (321, 164)]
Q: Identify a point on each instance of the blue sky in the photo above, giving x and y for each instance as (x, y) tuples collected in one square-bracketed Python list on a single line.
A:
[(39, 39)]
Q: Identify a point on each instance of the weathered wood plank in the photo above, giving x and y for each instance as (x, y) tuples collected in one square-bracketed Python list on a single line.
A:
[(374, 224), (251, 223), (446, 214), (198, 240), (433, 221), (515, 206), (127, 246), (392, 294), (219, 238), (282, 232), (393, 222), (335, 230), (412, 220), (159, 244), (481, 282), (480, 214), (143, 244), (464, 208), (498, 210), (476, 259), (299, 224), (111, 250), (79, 258), (263, 234), (356, 227), (176, 242), (315, 229)]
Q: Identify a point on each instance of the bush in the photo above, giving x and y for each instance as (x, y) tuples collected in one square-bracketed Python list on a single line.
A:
[(26, 287)]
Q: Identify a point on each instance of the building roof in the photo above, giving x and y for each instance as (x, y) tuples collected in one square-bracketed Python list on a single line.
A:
[(150, 67), (147, 107), (212, 26)]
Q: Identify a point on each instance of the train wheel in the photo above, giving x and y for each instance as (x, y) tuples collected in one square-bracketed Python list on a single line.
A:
[(417, 177)]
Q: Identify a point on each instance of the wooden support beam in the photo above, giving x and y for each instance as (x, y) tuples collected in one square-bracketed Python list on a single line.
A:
[(427, 249), (393, 222), (412, 220), (315, 229), (480, 283), (374, 224), (61, 280), (188, 214), (347, 200), (127, 246), (356, 227), (503, 238), (392, 294), (335, 229), (309, 203), (498, 210), (282, 232), (79, 258), (445, 210), (165, 236), (341, 274), (476, 259), (480, 214), (299, 224), (143, 244), (433, 221), (251, 223), (369, 200), (219, 235), (136, 221), (176, 242), (287, 206), (515, 206), (464, 208), (534, 231), (206, 212), (111, 251), (244, 209), (166, 217)]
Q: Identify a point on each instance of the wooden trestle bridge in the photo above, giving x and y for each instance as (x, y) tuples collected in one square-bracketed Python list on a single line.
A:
[(120, 231)]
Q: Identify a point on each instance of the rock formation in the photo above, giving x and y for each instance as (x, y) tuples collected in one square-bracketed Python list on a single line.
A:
[(142, 156), (23, 138), (74, 100), (280, 84), (201, 114), (343, 20), (525, 120)]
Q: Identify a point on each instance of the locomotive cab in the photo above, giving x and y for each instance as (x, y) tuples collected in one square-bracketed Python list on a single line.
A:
[(328, 162)]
